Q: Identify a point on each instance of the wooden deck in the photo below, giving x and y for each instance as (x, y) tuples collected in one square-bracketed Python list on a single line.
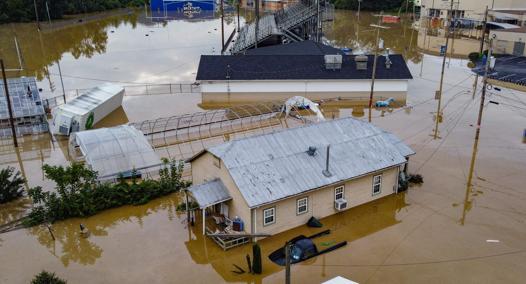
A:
[(224, 242)]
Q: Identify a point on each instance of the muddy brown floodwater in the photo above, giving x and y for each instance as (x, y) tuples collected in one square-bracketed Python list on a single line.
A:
[(437, 232)]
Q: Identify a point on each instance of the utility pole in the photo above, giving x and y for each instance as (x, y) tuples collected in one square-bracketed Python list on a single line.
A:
[(48, 16), (58, 60), (319, 22), (435, 135), (484, 85), (222, 27), (378, 27), (287, 263), (36, 14), (256, 30), (477, 132), (9, 107), (359, 7), (238, 23), (480, 50)]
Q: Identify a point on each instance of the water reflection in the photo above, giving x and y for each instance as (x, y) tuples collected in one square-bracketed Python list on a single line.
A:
[(14, 210), (40, 50), (468, 204), (347, 30), (70, 247), (351, 225)]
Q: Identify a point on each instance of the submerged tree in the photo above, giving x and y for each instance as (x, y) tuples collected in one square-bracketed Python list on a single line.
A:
[(10, 185), (45, 277), (79, 194)]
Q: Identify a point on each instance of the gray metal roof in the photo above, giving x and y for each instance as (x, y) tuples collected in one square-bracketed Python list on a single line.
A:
[(114, 150), (273, 166), (210, 193), (25, 102)]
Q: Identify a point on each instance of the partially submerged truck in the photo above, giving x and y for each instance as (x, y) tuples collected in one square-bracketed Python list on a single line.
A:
[(87, 109)]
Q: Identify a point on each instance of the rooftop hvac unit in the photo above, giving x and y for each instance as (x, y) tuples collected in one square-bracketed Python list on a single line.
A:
[(340, 204), (361, 62), (333, 62)]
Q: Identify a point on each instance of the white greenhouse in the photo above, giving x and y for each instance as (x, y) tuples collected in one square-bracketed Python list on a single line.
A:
[(114, 151), (83, 112)]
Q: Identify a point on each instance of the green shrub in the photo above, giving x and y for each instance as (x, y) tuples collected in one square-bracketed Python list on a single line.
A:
[(10, 185), (78, 194), (45, 277), (256, 259), (474, 56)]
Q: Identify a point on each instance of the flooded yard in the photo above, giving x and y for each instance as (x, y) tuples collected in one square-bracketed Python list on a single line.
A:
[(442, 231)]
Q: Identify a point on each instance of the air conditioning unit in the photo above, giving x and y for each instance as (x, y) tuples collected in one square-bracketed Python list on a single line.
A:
[(340, 204)]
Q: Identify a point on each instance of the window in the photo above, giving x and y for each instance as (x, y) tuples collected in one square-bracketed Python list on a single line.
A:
[(269, 216), (339, 193), (302, 205), (377, 184)]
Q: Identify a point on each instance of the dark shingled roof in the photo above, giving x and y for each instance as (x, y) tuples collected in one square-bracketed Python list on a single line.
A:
[(508, 68), (294, 67), (307, 47)]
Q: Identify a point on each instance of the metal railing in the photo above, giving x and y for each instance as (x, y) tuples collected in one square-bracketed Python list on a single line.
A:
[(51, 100)]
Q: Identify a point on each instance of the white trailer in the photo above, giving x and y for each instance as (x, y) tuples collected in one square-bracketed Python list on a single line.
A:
[(84, 111)]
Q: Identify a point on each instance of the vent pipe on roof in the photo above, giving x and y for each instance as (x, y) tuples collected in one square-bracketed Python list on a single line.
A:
[(311, 151), (326, 171), (388, 61), (227, 72)]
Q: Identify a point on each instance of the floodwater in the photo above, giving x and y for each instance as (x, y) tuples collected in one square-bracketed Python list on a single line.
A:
[(437, 232)]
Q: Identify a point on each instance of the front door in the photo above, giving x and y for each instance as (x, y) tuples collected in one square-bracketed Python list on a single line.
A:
[(224, 209), (518, 48)]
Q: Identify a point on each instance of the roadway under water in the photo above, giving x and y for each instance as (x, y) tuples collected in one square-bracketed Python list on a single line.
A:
[(436, 232)]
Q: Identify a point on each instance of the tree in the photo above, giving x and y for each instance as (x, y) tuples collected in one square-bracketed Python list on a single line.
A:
[(10, 185), (45, 277)]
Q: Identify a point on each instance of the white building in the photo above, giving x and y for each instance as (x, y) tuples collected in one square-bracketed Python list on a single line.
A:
[(307, 69), (469, 9)]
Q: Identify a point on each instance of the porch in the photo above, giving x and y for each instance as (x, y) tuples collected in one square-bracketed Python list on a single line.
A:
[(212, 199)]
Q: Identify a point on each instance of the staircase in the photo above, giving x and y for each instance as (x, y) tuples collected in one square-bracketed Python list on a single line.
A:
[(280, 24)]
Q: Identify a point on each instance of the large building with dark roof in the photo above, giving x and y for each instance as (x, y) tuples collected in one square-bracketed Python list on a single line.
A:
[(307, 68)]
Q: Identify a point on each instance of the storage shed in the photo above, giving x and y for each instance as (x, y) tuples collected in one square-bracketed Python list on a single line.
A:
[(86, 110), (114, 151)]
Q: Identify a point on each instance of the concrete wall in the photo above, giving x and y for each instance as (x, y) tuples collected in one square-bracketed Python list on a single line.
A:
[(203, 169), (321, 202)]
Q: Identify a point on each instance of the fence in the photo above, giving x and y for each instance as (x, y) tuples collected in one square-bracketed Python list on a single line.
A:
[(51, 100)]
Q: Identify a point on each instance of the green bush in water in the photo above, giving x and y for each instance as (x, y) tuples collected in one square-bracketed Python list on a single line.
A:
[(45, 277), (79, 194), (474, 56), (256, 259), (10, 185)]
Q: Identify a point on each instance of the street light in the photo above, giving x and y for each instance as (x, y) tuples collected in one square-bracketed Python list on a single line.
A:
[(377, 27)]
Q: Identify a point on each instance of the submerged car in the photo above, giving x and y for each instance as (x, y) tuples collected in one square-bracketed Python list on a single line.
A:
[(301, 249)]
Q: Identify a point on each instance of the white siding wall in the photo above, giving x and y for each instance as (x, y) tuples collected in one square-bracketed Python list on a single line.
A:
[(285, 86)]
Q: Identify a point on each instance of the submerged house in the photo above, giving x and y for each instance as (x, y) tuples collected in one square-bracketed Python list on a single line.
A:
[(307, 68), (277, 181)]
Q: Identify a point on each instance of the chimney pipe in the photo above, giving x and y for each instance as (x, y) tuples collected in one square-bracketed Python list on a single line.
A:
[(326, 171)]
